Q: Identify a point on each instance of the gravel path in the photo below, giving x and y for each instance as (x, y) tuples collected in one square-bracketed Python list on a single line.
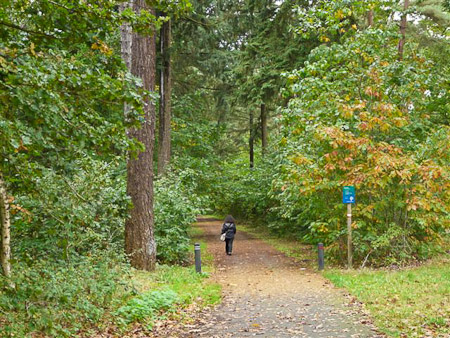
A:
[(270, 295)]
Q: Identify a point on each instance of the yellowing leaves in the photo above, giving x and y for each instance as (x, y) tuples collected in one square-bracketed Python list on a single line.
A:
[(400, 122), (15, 209), (339, 14), (372, 92), (300, 160), (32, 49), (102, 47)]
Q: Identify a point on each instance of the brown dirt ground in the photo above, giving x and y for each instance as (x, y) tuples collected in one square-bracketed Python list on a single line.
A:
[(268, 294)]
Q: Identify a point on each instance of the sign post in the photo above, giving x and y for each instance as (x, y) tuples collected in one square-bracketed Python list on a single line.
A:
[(348, 197)]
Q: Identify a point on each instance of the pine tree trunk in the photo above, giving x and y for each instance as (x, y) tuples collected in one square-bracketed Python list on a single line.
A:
[(403, 24), (263, 128), (139, 236), (251, 140), (165, 91), (5, 254)]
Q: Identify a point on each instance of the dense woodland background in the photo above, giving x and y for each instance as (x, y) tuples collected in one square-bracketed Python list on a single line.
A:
[(262, 109)]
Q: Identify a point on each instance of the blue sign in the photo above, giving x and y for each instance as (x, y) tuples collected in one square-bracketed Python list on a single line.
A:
[(348, 195)]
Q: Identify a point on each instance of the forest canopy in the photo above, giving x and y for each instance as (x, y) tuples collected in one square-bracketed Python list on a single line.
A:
[(262, 109)]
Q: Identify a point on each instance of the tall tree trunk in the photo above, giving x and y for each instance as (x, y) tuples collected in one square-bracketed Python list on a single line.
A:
[(263, 128), (165, 90), (5, 254), (140, 56), (251, 140), (403, 24)]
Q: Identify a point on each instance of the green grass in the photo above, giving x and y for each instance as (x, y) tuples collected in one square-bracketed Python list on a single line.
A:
[(216, 216), (170, 288), (163, 293), (290, 247), (184, 281), (414, 302)]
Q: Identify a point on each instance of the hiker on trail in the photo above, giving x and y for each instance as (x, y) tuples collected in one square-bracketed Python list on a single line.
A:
[(229, 229)]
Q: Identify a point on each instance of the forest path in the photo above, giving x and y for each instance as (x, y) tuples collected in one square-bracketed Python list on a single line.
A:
[(268, 294)]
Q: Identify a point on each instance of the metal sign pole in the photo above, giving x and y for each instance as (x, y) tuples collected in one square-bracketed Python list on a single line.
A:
[(349, 238), (348, 197)]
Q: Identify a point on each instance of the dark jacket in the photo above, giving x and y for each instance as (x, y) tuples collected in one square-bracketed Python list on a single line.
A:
[(229, 229)]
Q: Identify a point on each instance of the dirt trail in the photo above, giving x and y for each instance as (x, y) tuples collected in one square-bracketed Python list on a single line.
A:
[(270, 295)]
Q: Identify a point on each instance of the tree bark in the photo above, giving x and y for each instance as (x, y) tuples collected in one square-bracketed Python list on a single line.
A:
[(263, 128), (165, 90), (5, 254), (140, 244), (251, 140), (403, 24), (370, 18)]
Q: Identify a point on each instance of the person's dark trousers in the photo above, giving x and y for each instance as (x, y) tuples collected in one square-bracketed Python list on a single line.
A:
[(229, 245)]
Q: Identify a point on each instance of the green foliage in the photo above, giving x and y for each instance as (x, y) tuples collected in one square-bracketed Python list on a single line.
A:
[(356, 116), (361, 117), (176, 207), (63, 148), (401, 308), (163, 291), (64, 217), (144, 307), (184, 281), (81, 298), (60, 299), (242, 191)]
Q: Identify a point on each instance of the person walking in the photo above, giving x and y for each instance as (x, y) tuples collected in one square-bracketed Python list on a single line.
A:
[(229, 229)]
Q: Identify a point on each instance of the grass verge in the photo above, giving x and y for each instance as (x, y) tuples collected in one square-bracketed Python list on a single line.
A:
[(414, 302), (167, 290), (300, 252), (164, 292)]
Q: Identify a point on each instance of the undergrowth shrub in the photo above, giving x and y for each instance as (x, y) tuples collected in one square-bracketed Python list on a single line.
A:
[(144, 307), (176, 206), (163, 291), (243, 191), (64, 215), (61, 298)]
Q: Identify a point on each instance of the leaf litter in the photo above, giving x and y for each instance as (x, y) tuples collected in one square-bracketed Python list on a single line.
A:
[(268, 294)]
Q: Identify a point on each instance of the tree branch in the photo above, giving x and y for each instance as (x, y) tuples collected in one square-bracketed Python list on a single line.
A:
[(11, 25)]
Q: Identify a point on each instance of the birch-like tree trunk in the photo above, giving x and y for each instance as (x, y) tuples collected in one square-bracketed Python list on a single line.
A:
[(403, 23), (139, 53), (165, 90), (5, 254)]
